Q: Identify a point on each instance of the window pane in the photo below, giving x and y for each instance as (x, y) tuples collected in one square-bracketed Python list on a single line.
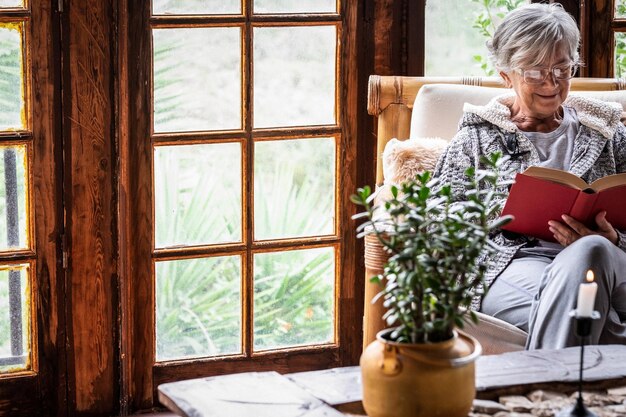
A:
[(11, 79), (14, 318), (454, 45), (294, 188), (290, 6), (11, 3), (294, 76), (620, 9), (13, 210), (198, 307), (196, 6), (294, 298), (197, 79), (197, 194), (620, 54)]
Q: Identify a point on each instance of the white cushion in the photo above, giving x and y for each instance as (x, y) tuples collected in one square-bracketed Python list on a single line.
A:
[(438, 108)]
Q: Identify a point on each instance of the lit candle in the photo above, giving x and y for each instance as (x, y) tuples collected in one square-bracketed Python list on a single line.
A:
[(586, 296)]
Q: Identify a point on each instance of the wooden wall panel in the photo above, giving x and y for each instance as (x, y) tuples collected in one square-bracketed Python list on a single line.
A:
[(47, 199), (389, 37), (415, 35), (137, 182), (353, 272), (600, 38), (90, 206), (122, 124)]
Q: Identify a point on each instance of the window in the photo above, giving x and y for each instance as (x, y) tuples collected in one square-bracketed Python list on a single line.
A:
[(619, 25), (455, 42), (16, 335), (242, 238), (29, 215)]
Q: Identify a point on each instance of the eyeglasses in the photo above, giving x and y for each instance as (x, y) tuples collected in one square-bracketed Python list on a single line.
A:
[(539, 75)]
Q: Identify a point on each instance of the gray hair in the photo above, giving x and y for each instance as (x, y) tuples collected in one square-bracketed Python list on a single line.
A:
[(528, 35)]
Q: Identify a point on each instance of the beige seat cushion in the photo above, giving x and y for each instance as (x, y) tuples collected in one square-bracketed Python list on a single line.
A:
[(438, 108)]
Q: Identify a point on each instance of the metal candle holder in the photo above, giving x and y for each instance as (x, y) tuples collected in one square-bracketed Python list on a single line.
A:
[(583, 330)]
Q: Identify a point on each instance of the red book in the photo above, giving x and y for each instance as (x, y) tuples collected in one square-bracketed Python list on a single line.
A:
[(541, 194)]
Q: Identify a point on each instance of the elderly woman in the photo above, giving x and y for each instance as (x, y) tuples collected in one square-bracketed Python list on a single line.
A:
[(533, 284)]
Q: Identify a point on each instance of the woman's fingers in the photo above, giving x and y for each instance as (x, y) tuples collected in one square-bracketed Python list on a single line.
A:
[(605, 228), (571, 229), (563, 234), (577, 226)]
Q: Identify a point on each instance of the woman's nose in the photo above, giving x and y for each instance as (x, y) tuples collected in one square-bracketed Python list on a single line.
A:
[(551, 79)]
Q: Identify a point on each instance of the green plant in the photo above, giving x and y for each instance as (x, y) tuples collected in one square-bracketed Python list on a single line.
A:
[(434, 243), (487, 20)]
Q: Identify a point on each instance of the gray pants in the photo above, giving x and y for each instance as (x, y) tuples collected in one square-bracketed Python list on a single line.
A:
[(537, 293)]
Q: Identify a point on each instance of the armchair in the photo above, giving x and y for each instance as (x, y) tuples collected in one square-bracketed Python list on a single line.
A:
[(425, 107)]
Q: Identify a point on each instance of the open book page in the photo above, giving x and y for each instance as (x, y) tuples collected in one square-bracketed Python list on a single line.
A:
[(608, 182), (558, 176), (566, 178)]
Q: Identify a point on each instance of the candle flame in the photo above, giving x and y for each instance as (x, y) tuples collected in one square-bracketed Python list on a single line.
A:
[(590, 276)]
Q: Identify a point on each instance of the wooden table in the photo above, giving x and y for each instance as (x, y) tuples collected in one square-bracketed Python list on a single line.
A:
[(337, 392)]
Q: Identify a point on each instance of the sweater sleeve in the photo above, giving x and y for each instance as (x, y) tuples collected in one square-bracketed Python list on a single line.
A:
[(463, 152), (619, 150), (451, 166)]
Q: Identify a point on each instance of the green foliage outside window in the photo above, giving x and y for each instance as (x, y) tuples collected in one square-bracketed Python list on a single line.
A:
[(10, 77), (486, 21), (198, 302)]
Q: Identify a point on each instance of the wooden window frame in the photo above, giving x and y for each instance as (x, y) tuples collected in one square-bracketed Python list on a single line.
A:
[(142, 375), (29, 392)]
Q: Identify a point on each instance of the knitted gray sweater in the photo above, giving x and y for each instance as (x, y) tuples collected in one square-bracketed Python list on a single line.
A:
[(599, 150)]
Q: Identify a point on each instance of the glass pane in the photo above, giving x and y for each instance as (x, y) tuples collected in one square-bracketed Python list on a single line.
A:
[(620, 9), (294, 188), (620, 54), (12, 111), (13, 209), (197, 194), (11, 3), (294, 76), (197, 79), (14, 318), (198, 305), (455, 42), (291, 6), (196, 7), (294, 295)]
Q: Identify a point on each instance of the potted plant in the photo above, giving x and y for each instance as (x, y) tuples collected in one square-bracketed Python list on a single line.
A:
[(422, 366)]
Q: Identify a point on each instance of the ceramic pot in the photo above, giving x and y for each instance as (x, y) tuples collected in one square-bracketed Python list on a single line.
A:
[(419, 380)]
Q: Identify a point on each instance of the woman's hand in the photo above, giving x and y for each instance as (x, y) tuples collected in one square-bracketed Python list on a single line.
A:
[(572, 230)]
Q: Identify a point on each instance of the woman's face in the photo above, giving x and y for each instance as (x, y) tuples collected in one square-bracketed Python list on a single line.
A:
[(541, 100)]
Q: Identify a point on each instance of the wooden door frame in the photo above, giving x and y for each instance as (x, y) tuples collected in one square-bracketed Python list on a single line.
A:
[(139, 376)]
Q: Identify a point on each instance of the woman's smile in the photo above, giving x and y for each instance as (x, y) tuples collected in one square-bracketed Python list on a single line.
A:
[(548, 97)]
